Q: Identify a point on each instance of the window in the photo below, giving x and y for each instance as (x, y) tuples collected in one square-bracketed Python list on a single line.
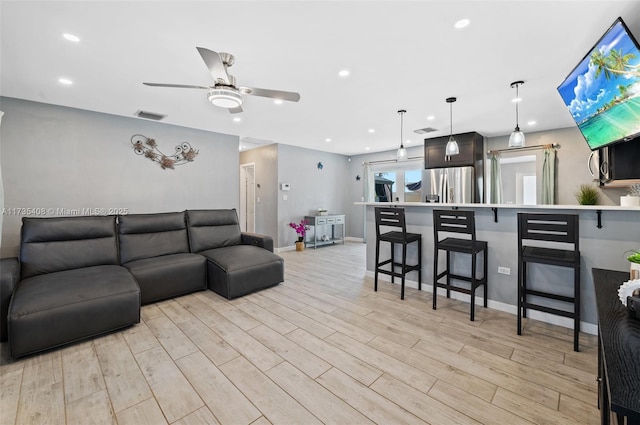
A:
[(397, 182)]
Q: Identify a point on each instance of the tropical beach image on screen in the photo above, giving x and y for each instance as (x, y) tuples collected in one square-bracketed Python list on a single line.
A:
[(603, 91)]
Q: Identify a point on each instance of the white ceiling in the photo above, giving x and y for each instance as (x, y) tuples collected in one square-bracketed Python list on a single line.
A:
[(401, 55)]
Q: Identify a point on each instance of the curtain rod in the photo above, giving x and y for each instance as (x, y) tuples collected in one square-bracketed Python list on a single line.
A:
[(552, 145), (392, 160)]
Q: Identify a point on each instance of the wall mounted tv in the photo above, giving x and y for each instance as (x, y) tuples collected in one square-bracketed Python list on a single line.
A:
[(603, 90)]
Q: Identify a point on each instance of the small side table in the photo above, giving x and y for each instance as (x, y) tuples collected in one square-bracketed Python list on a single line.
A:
[(323, 221)]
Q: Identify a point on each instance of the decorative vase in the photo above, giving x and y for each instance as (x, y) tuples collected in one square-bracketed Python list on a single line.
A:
[(630, 201), (634, 271), (299, 246)]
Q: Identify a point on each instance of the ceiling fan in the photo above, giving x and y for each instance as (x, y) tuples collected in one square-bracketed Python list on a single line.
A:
[(225, 93)]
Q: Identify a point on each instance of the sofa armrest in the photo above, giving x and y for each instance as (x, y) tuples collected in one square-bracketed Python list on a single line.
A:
[(263, 241), (9, 277)]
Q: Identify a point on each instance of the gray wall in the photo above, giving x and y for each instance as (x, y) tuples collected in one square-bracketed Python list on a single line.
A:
[(572, 159), (265, 159), (311, 188), (63, 158)]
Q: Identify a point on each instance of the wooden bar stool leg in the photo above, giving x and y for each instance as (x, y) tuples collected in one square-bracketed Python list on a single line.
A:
[(375, 278), (393, 261), (473, 286), (404, 269), (520, 297), (448, 272), (576, 320), (420, 264), (435, 277), (524, 289)]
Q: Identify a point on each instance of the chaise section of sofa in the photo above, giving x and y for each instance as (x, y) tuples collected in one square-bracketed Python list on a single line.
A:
[(71, 284), (237, 263), (155, 249)]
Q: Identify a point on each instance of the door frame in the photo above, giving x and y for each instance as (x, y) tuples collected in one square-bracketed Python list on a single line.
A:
[(243, 197)]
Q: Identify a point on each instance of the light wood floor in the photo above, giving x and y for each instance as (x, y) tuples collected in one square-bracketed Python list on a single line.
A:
[(322, 347)]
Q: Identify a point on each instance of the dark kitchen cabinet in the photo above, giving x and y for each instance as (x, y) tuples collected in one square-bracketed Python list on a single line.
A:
[(470, 145)]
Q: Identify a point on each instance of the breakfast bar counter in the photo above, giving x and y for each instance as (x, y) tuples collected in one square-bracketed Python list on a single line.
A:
[(606, 234)]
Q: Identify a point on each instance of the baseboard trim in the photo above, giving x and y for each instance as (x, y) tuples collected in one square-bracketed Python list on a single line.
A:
[(352, 239), (552, 319), (285, 248)]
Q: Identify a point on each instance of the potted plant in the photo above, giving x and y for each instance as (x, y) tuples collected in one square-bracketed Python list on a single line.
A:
[(588, 195), (634, 259), (301, 230)]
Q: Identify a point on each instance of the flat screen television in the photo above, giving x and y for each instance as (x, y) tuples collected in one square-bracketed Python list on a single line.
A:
[(603, 90)]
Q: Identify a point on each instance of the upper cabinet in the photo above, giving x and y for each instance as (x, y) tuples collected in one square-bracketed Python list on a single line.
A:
[(469, 144)]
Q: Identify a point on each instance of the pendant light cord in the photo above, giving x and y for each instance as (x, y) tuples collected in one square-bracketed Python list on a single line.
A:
[(517, 101), (450, 119), (401, 127)]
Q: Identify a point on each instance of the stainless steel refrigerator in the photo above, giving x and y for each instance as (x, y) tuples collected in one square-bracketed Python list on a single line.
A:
[(452, 185)]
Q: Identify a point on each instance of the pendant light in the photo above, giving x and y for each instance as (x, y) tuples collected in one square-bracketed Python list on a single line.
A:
[(402, 152), (452, 145), (516, 140)]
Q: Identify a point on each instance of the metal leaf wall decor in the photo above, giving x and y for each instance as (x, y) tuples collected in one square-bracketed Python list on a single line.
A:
[(143, 145)]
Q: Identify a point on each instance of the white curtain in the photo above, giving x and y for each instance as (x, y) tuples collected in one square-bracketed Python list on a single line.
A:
[(495, 191), (369, 183), (548, 194)]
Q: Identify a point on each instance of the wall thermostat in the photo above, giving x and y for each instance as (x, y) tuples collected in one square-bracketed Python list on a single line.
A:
[(285, 186)]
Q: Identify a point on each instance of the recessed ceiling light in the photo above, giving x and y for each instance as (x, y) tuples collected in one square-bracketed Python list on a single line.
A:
[(462, 23), (408, 141), (71, 37), (237, 119), (516, 99), (431, 117), (241, 147), (344, 73), (278, 101), (531, 123), (372, 130), (367, 148), (327, 140), (65, 81)]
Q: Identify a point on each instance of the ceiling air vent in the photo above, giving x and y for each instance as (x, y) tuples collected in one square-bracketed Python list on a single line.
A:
[(149, 115), (425, 130)]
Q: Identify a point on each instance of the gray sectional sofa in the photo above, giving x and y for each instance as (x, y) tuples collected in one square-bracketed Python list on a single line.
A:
[(78, 277)]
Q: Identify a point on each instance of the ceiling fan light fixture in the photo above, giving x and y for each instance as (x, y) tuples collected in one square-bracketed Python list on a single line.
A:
[(516, 140), (225, 97)]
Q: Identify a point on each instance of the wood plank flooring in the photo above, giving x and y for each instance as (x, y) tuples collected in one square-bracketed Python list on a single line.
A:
[(322, 347)]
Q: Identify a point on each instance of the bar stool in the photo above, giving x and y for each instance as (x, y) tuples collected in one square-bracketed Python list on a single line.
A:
[(550, 228), (394, 217), (462, 222)]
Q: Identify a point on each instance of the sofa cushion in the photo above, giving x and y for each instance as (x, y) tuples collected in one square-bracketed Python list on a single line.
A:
[(238, 270), (9, 277), (151, 235), (63, 243), (210, 229), (62, 307), (168, 276)]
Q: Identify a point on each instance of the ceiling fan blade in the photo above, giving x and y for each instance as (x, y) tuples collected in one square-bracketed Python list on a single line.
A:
[(178, 86), (274, 94), (214, 63), (235, 110)]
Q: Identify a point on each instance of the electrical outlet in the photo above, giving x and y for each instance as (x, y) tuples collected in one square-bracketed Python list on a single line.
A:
[(504, 270)]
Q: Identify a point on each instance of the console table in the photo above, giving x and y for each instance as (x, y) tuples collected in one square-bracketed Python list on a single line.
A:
[(325, 220), (618, 352)]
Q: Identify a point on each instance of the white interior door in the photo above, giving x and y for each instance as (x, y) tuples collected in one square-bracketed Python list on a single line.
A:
[(248, 197)]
